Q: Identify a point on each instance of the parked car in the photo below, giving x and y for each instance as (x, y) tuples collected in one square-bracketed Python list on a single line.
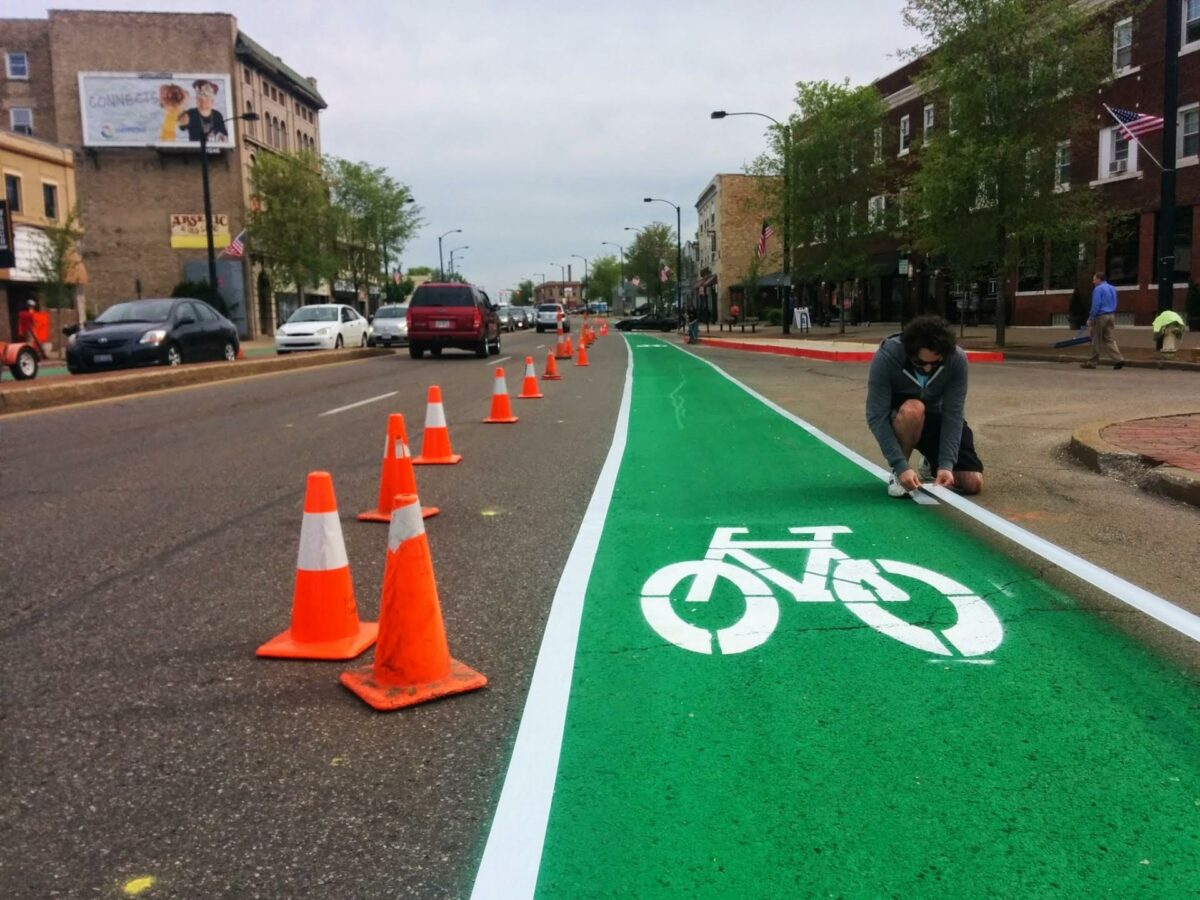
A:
[(548, 315), (648, 322), (452, 315), (389, 326), (167, 331), (508, 318), (527, 315), (322, 326)]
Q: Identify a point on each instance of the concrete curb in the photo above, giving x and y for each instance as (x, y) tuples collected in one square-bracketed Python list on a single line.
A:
[(1089, 448), (979, 356), (1030, 356), (66, 392)]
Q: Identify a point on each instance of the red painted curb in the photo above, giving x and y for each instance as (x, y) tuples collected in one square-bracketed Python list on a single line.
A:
[(983, 356)]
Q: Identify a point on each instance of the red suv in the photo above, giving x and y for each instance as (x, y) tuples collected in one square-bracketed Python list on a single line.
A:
[(452, 315)]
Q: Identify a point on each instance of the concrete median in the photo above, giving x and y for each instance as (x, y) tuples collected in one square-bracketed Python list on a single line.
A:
[(34, 395)]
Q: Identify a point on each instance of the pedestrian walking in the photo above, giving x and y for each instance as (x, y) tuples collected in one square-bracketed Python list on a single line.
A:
[(1102, 319), (916, 400), (1168, 330), (693, 330)]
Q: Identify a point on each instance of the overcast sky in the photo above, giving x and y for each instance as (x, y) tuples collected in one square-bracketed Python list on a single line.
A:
[(538, 127)]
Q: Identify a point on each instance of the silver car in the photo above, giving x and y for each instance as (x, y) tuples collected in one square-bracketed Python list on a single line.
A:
[(389, 327), (548, 315)]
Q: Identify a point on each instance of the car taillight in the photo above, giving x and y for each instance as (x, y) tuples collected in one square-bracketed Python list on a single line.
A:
[(478, 320)]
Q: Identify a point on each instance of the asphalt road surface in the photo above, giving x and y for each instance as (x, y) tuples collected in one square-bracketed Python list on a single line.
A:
[(149, 548)]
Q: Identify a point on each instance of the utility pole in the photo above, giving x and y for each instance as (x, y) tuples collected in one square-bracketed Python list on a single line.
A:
[(1166, 202)]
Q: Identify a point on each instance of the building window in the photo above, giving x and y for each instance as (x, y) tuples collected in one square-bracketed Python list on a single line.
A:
[(905, 134), (1117, 155), (1123, 45), (1189, 130), (879, 144), (50, 201), (1182, 246), (1062, 166), (928, 120), (249, 123), (246, 75), (21, 120), (1191, 21), (1121, 259), (18, 65), (12, 192), (876, 207)]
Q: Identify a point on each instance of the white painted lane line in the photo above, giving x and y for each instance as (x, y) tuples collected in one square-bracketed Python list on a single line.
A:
[(509, 867), (334, 412), (1168, 613), (496, 362)]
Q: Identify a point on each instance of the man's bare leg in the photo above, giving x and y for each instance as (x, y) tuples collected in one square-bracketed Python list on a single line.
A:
[(908, 424)]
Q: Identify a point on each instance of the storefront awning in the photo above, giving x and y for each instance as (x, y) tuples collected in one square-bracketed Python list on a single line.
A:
[(29, 244)]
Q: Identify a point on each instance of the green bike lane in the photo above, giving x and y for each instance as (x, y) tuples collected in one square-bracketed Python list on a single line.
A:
[(822, 736)]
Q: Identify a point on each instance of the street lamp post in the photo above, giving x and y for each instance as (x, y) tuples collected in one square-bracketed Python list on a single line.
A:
[(622, 249), (208, 228), (452, 252), (563, 283), (442, 271), (787, 208), (583, 290), (541, 275), (678, 252)]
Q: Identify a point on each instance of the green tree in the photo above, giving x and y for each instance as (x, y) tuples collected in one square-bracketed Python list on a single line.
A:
[(523, 295), (292, 227), (653, 248), (1012, 79), (373, 218), (55, 264), (417, 271), (603, 280)]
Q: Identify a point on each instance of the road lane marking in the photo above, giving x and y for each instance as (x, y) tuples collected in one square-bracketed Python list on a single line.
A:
[(513, 853), (1168, 613), (333, 412), (496, 362)]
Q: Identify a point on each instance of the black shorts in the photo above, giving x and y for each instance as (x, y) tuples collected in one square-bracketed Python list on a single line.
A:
[(930, 442)]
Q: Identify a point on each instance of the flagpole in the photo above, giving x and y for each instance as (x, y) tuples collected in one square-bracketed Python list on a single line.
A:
[(1132, 136)]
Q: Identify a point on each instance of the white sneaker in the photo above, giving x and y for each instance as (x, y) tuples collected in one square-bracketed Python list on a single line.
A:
[(894, 487)]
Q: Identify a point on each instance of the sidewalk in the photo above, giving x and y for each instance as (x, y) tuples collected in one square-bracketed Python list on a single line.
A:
[(1161, 455)]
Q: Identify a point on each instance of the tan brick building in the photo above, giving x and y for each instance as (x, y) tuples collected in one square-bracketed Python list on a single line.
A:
[(730, 213), (128, 194)]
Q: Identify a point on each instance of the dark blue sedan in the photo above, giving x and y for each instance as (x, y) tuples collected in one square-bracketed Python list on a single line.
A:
[(166, 332)]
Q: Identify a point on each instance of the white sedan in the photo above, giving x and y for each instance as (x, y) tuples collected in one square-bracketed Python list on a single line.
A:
[(323, 326)]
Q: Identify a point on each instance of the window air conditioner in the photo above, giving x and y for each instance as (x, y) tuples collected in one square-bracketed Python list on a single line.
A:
[(1118, 167)]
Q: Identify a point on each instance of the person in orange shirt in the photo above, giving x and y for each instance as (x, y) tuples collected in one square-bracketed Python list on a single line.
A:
[(27, 327)]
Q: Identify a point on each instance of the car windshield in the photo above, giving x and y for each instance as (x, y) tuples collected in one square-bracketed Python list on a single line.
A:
[(136, 311), (391, 312), (443, 295), (314, 314)]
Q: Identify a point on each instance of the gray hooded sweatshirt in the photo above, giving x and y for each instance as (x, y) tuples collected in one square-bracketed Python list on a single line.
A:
[(892, 380)]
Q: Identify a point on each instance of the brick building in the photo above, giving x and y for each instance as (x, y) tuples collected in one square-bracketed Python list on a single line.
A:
[(1099, 160), (132, 197), (568, 293), (730, 212), (39, 189)]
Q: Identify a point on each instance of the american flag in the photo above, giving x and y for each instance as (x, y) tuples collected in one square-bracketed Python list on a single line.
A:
[(1135, 123), (763, 237), (236, 248), (665, 275)]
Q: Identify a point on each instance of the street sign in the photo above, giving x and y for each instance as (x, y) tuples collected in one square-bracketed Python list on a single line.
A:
[(904, 267)]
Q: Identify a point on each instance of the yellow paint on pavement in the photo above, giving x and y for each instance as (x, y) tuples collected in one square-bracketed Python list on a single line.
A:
[(135, 887)]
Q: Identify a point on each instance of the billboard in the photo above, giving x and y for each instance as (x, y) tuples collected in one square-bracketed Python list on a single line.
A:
[(188, 231), (155, 109)]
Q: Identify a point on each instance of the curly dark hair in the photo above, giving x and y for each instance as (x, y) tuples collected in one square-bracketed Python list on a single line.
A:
[(928, 332)]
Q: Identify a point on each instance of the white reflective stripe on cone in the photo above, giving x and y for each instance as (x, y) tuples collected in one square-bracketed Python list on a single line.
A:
[(406, 523), (321, 545), (498, 386), (435, 416), (402, 449)]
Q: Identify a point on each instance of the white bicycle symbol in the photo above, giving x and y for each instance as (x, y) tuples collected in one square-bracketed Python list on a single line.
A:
[(860, 584)]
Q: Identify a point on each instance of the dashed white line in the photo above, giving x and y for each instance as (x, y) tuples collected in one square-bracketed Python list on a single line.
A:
[(333, 412)]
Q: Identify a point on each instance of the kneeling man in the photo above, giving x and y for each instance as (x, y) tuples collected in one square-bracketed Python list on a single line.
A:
[(916, 394)]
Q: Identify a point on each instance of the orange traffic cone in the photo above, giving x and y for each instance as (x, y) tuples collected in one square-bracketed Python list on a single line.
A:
[(325, 621), (435, 442), (582, 360), (412, 660), (603, 327), (529, 388), (501, 413), (397, 476), (560, 346), (570, 348), (241, 354), (551, 373)]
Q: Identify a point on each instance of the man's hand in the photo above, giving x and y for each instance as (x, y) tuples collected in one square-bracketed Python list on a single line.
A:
[(909, 479), (945, 478)]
